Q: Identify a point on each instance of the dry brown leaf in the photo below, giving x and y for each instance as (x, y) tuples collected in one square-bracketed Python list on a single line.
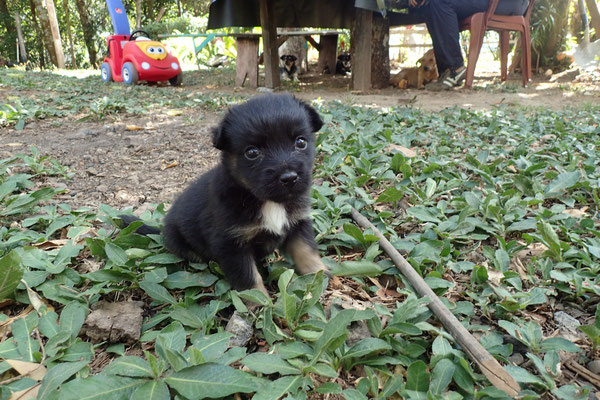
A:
[(32, 370), (511, 168), (14, 144), (51, 244), (26, 394), (164, 164), (406, 152), (174, 113), (495, 276), (134, 128), (577, 213), (10, 320)]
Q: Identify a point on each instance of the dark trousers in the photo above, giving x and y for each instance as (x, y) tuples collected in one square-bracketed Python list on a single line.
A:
[(442, 18)]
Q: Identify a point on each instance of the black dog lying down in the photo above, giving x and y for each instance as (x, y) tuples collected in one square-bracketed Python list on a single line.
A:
[(257, 198)]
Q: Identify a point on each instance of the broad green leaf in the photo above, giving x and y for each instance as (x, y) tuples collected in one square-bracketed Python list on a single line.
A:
[(56, 376), (269, 364), (522, 375), (256, 296), (153, 390), (441, 346), (49, 324), (289, 300), (562, 182), (212, 346), (417, 377), (115, 254), (278, 388), (357, 268), (100, 387), (366, 347), (424, 214), (129, 366), (212, 381), (184, 279), (335, 328), (22, 328), (174, 335), (72, 318), (163, 258), (558, 343), (157, 292), (10, 274), (441, 376)]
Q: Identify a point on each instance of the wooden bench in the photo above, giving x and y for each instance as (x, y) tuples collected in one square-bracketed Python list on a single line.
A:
[(246, 65)]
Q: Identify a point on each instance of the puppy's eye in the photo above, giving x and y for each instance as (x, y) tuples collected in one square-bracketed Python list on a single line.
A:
[(301, 143), (251, 153)]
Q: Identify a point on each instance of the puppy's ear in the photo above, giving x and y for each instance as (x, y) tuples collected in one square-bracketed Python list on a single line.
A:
[(315, 120), (220, 140), (282, 57), (294, 58)]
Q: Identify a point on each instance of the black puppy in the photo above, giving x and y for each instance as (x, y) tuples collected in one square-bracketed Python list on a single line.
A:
[(257, 198), (289, 69), (343, 65)]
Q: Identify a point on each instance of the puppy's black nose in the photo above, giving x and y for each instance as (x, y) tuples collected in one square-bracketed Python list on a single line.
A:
[(288, 178)]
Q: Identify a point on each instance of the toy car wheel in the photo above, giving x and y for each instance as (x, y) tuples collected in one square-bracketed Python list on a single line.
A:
[(106, 73), (129, 73), (176, 80)]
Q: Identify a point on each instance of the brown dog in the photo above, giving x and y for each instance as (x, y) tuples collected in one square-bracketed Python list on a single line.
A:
[(425, 72)]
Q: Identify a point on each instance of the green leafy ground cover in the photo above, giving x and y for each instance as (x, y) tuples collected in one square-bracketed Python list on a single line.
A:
[(497, 210)]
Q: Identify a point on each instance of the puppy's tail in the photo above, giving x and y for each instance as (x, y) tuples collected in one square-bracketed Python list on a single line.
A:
[(142, 230)]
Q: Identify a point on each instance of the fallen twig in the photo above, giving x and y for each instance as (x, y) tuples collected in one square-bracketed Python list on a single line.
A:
[(492, 369)]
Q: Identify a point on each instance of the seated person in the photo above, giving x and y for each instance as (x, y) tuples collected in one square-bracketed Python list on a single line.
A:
[(442, 18)]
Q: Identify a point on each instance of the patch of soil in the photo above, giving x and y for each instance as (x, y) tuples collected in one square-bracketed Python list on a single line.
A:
[(128, 162)]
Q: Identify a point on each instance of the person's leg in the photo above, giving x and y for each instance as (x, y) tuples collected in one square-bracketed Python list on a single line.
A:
[(442, 18)]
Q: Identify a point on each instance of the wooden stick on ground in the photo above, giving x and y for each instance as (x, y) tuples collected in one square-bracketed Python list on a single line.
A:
[(488, 364)]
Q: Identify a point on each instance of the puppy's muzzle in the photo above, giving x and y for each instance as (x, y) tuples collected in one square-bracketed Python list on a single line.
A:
[(288, 178)]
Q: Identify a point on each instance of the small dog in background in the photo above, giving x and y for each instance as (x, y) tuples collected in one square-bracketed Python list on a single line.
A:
[(288, 70), (256, 199), (343, 65), (425, 72)]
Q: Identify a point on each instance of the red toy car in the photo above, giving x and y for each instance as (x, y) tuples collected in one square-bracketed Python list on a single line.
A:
[(133, 58)]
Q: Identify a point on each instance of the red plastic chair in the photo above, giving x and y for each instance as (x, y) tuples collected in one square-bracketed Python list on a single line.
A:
[(478, 23)]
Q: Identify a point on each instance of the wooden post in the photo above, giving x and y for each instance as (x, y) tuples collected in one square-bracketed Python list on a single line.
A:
[(246, 64), (327, 53), (22, 53), (269, 35), (362, 32)]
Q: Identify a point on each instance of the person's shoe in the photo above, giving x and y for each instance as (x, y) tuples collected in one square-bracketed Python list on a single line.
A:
[(455, 79), (439, 84)]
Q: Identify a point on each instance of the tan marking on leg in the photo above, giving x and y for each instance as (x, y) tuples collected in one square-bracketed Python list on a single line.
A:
[(258, 281), (306, 259)]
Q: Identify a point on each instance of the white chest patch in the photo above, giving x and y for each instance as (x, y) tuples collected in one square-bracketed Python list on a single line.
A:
[(274, 217)]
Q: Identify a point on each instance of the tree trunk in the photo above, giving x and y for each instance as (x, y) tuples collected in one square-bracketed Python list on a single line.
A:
[(138, 14), (22, 57), (38, 34), (49, 24), (7, 20), (88, 31), (592, 7), (380, 58), (69, 33), (149, 10)]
